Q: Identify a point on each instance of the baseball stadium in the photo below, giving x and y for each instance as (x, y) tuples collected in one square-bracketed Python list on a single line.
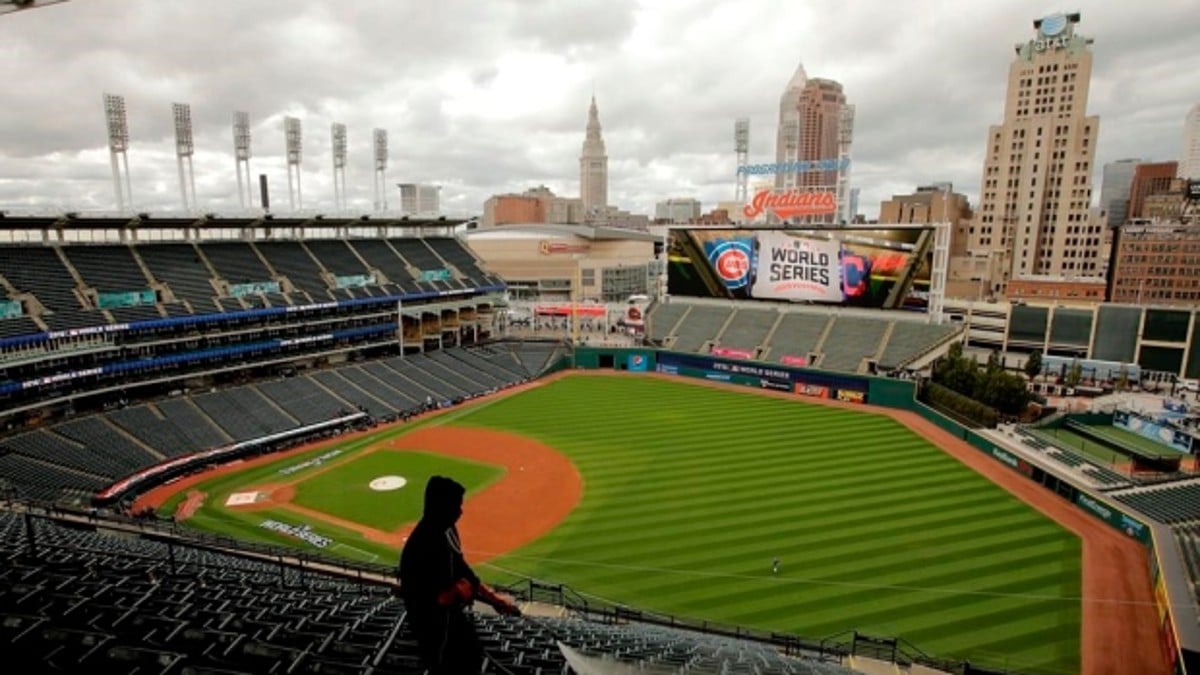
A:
[(215, 449)]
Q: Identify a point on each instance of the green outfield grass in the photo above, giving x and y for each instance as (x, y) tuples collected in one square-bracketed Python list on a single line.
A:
[(691, 491)]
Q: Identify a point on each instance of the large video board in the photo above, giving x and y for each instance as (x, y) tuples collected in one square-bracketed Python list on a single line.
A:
[(876, 267)]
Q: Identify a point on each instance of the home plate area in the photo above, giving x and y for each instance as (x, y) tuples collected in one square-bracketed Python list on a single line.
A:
[(246, 498)]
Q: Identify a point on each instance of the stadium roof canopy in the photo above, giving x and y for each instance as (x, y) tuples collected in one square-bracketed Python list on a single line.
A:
[(73, 220)]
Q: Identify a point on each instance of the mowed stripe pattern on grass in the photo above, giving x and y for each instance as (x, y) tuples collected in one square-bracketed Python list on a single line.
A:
[(691, 491)]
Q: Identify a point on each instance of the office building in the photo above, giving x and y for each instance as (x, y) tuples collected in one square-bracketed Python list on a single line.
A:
[(1035, 191)]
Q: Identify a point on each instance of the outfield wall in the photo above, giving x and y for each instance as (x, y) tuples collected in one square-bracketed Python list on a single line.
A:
[(1179, 628)]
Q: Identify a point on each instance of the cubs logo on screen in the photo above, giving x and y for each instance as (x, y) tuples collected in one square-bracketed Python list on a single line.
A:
[(732, 260)]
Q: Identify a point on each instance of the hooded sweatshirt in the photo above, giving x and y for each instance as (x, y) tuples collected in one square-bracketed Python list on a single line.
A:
[(432, 559)]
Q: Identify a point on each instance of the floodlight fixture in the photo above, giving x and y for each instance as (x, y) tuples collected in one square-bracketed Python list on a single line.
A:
[(241, 157), (118, 143), (337, 133), (184, 149), (741, 146), (381, 163), (294, 145)]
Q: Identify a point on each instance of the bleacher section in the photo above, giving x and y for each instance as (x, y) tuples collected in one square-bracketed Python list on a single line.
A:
[(536, 357), (842, 341), (909, 340), (1171, 503), (1104, 477), (80, 600), (661, 319), (699, 327), (108, 269), (290, 259), (83, 454), (182, 271), (850, 341), (181, 268), (797, 334), (244, 413), (657, 648), (380, 256), (749, 328), (236, 262), (38, 270)]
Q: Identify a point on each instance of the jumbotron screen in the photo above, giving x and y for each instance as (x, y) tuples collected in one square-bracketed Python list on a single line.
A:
[(881, 268)]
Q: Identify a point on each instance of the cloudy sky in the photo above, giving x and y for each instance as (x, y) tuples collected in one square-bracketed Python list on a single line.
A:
[(490, 97)]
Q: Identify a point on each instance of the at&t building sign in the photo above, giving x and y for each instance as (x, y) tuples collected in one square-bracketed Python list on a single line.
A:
[(1054, 32)]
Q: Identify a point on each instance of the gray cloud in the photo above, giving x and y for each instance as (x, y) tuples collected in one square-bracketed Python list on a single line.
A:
[(492, 97)]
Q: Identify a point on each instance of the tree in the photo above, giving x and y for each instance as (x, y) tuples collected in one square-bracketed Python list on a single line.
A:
[(994, 365), (1074, 374), (1033, 365)]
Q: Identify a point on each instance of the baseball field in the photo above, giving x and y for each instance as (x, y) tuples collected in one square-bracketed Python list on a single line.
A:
[(674, 497)]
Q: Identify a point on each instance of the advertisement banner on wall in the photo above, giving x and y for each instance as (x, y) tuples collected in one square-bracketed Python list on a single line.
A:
[(637, 363), (877, 267), (633, 317), (812, 390), (1167, 436), (10, 309), (732, 353), (851, 396), (789, 360)]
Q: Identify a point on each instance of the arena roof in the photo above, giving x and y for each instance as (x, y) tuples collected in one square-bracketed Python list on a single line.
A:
[(590, 232)]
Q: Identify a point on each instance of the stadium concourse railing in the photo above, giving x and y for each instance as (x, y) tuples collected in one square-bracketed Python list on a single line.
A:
[(1173, 593), (831, 649)]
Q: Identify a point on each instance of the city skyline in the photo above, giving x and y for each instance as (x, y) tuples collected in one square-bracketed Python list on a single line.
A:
[(501, 113)]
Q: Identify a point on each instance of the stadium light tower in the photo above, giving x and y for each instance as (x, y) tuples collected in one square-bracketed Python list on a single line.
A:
[(338, 133), (241, 156), (381, 162), (845, 141), (741, 145), (791, 144), (291, 131), (184, 149), (118, 143)]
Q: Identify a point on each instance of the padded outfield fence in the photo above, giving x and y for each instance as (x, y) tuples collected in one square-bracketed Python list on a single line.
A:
[(1180, 623)]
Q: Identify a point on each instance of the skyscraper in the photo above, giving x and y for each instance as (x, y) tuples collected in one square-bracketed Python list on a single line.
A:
[(1189, 159), (593, 169), (812, 116), (1114, 190), (1036, 186)]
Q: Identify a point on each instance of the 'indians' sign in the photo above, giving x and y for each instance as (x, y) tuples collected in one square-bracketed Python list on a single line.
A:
[(791, 203)]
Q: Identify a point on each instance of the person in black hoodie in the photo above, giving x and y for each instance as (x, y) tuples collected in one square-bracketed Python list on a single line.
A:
[(437, 585)]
